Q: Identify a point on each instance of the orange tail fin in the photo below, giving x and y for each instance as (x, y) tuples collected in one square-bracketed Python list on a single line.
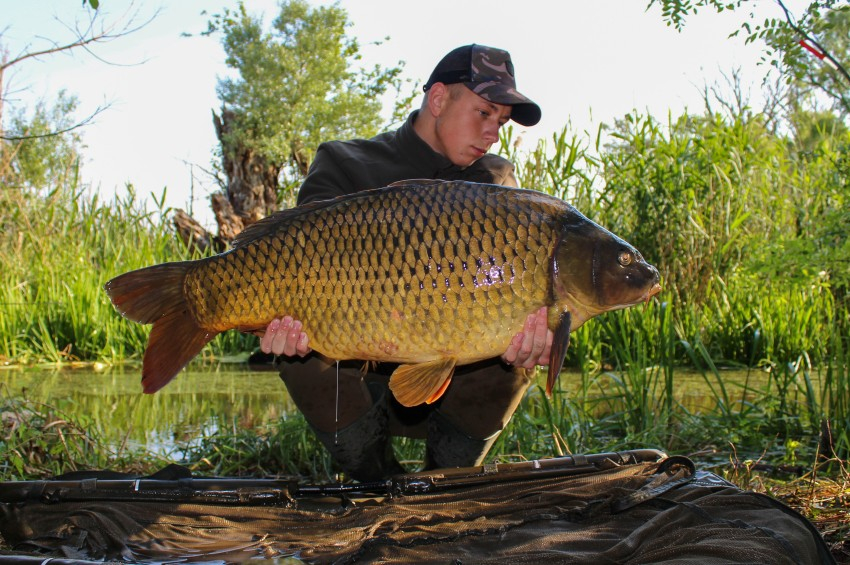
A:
[(155, 295)]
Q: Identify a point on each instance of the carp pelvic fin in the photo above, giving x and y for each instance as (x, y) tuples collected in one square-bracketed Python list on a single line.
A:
[(424, 382), (560, 343), (155, 295)]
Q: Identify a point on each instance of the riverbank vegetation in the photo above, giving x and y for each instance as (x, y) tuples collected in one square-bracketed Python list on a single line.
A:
[(745, 213), (747, 224)]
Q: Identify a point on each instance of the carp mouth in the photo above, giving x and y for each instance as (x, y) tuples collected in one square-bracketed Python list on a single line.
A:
[(621, 290), (584, 308), (656, 289)]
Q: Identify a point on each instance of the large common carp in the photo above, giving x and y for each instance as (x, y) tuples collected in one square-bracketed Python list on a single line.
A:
[(429, 274)]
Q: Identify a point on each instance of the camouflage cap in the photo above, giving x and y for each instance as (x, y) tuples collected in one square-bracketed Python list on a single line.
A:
[(489, 73)]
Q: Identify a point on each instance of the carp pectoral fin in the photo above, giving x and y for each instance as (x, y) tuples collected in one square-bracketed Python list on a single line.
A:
[(424, 382), (560, 343)]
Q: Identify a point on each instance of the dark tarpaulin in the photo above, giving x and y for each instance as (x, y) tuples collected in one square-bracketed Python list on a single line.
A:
[(630, 507)]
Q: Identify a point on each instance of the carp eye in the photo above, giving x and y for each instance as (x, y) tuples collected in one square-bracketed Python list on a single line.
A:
[(625, 258)]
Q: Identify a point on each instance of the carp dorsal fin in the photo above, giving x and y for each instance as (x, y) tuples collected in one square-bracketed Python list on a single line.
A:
[(560, 343), (424, 382), (270, 224), (417, 182)]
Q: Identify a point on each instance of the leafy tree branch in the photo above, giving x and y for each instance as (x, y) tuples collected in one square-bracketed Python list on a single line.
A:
[(821, 31)]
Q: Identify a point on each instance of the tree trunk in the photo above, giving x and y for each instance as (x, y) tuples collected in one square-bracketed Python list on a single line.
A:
[(229, 223), (251, 181), (250, 194), (194, 235)]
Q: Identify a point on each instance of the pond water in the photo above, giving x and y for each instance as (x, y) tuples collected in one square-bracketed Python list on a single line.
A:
[(199, 401), (206, 398)]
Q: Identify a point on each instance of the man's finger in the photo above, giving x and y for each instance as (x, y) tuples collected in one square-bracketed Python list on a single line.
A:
[(268, 337), (301, 348), (526, 348), (292, 337), (541, 330)]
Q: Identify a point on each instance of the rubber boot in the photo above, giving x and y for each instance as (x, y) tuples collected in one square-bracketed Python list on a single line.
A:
[(447, 446), (363, 448)]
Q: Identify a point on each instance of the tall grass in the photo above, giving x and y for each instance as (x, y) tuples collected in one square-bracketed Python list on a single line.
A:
[(59, 249), (43, 440)]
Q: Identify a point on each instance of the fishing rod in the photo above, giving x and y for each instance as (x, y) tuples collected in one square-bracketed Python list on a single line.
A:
[(287, 491)]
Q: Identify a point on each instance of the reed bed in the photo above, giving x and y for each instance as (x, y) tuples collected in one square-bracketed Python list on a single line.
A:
[(59, 249)]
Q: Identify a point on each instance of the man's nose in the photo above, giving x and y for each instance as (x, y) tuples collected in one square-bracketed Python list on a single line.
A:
[(491, 133)]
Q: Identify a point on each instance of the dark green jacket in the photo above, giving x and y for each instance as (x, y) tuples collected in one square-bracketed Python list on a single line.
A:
[(346, 167)]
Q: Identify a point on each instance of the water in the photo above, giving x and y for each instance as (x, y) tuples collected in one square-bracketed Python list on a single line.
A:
[(197, 402), (232, 396)]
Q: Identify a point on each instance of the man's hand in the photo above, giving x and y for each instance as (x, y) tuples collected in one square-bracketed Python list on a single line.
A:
[(533, 344), (284, 337)]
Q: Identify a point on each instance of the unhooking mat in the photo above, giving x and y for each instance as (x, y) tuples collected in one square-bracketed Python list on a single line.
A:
[(630, 507)]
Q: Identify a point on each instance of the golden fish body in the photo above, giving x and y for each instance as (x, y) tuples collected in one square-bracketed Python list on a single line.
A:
[(430, 274), (412, 276)]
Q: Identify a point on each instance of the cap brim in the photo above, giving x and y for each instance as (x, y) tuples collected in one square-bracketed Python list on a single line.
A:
[(523, 110), (526, 114)]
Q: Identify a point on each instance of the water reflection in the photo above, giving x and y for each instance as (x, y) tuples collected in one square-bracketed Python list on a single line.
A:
[(206, 398), (197, 402)]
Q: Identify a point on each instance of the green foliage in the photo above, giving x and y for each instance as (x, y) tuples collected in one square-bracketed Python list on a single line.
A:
[(824, 27), (287, 448), (712, 200), (59, 245), (59, 251), (816, 245), (35, 159), (691, 194), (295, 85)]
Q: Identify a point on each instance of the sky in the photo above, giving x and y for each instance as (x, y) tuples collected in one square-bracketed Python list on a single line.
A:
[(584, 62)]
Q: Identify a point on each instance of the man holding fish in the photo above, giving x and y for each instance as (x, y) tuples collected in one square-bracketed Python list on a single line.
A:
[(454, 287), (470, 95)]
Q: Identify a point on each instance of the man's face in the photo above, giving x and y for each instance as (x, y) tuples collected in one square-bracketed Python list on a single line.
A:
[(467, 125)]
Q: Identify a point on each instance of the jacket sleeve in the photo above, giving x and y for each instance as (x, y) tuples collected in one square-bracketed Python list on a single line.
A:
[(326, 179)]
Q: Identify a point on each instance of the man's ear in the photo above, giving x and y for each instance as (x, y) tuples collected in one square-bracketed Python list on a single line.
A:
[(438, 96)]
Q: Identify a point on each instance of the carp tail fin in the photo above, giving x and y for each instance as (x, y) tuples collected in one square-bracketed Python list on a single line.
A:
[(413, 385), (174, 341), (146, 295), (154, 295)]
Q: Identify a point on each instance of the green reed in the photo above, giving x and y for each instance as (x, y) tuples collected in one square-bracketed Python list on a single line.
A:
[(778, 412), (60, 250)]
